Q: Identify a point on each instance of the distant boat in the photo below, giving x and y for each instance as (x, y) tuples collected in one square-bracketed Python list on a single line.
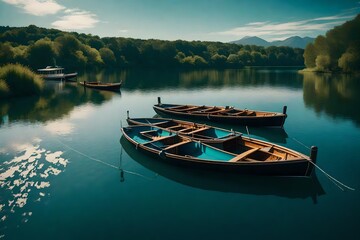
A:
[(245, 117), (55, 73), (239, 154), (102, 86)]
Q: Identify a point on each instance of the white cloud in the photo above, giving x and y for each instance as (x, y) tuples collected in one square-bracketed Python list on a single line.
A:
[(76, 20), (257, 23), (272, 30), (37, 7)]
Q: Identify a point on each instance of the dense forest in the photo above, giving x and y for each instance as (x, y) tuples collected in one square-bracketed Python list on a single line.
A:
[(38, 47), (338, 50)]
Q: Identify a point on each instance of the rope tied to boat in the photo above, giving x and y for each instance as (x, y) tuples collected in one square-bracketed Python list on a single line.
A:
[(105, 163), (302, 144), (337, 183), (332, 179)]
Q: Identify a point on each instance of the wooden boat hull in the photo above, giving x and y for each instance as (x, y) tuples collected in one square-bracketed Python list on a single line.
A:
[(226, 181), (267, 120), (102, 86), (298, 167)]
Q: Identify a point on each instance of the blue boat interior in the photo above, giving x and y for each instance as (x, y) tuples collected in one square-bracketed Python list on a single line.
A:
[(213, 133), (144, 134), (162, 140)]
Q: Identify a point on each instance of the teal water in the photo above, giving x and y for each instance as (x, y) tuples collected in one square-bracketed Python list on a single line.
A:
[(66, 173)]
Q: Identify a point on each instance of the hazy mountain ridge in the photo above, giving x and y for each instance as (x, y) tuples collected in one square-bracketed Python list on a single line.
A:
[(295, 42)]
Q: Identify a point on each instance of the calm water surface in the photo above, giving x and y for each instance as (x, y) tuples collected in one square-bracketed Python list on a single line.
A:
[(66, 172)]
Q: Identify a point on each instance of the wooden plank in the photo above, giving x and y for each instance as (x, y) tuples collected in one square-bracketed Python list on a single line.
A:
[(198, 130), (243, 155), (177, 144), (187, 109)]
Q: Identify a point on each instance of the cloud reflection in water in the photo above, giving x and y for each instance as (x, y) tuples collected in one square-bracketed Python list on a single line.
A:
[(25, 178)]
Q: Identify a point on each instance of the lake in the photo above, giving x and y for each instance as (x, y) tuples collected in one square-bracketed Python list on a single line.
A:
[(66, 172)]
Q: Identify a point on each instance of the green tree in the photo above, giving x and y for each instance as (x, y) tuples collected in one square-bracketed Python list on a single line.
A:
[(245, 57), (41, 53), (219, 60), (350, 60), (108, 56), (323, 62), (233, 60), (310, 56), (6, 53), (70, 52)]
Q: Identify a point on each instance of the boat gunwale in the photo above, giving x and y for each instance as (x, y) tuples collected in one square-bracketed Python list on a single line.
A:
[(218, 140), (270, 114), (180, 157)]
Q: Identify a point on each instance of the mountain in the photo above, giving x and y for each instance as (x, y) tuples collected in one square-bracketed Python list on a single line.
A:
[(252, 41), (295, 42)]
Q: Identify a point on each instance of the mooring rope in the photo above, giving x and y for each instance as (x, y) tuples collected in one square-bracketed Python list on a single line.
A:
[(331, 178), (301, 143), (105, 163)]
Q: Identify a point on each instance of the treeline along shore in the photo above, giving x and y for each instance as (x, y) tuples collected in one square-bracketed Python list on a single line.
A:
[(38, 47), (337, 51), (32, 47)]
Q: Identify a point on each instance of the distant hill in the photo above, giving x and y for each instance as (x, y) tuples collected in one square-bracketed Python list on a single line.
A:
[(295, 42), (252, 41)]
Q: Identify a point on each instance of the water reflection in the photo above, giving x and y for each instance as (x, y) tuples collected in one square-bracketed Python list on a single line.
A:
[(227, 182), (57, 101), (148, 79), (26, 172), (336, 95), (104, 75)]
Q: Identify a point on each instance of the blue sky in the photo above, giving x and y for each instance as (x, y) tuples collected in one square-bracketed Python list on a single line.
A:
[(205, 20)]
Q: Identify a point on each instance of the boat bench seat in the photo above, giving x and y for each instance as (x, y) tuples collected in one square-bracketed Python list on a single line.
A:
[(158, 139), (177, 144), (237, 113), (198, 130), (158, 123), (250, 113), (148, 133), (218, 111), (176, 126), (267, 149), (243, 155), (186, 109)]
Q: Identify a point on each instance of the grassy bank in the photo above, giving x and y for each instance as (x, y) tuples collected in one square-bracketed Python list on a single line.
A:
[(17, 80)]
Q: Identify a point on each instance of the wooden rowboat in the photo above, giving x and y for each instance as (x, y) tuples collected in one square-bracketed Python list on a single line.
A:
[(196, 131), (289, 187), (102, 86), (226, 114), (239, 154)]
